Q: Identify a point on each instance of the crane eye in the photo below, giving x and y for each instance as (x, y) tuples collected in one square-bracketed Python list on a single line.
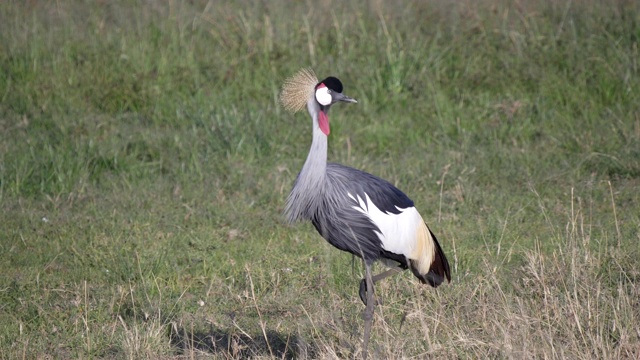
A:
[(323, 96)]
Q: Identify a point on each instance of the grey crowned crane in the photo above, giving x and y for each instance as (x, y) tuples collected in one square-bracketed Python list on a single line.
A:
[(353, 210)]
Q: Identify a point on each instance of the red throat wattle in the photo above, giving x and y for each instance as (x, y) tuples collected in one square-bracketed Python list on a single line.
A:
[(323, 121)]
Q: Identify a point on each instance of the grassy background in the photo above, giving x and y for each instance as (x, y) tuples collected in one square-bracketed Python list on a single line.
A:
[(144, 163)]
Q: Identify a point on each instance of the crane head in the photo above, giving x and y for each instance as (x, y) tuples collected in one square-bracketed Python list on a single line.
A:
[(298, 89)]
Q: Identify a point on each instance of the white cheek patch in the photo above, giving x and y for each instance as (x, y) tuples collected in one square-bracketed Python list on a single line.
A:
[(323, 96)]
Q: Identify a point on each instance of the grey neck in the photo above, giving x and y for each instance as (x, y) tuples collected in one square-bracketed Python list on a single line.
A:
[(307, 191), (315, 166)]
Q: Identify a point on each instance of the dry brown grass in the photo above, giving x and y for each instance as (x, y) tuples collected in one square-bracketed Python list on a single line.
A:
[(579, 301)]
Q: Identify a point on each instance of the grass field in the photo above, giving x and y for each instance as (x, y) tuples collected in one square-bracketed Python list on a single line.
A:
[(144, 164)]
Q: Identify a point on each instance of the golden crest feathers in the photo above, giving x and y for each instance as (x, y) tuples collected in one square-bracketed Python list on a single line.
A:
[(297, 89)]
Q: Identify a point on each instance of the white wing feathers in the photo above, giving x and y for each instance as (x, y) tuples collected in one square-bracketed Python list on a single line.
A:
[(398, 232)]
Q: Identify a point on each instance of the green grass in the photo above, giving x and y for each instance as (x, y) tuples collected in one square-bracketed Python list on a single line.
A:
[(144, 164)]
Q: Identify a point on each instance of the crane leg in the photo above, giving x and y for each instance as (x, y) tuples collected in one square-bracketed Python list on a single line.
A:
[(375, 279), (368, 312)]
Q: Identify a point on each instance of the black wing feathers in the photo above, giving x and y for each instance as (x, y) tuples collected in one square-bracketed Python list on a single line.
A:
[(440, 267)]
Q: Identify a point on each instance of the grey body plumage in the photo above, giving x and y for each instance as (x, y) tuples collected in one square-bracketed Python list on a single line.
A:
[(330, 209)]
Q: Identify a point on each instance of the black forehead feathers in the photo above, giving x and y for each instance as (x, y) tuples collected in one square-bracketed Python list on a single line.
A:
[(332, 83)]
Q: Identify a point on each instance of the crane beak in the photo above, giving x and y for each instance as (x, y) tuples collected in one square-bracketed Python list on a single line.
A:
[(344, 98)]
